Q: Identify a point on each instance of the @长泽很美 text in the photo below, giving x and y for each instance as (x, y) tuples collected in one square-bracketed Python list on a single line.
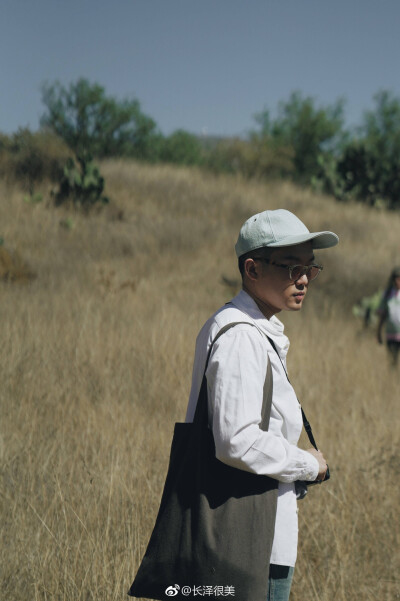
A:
[(201, 590)]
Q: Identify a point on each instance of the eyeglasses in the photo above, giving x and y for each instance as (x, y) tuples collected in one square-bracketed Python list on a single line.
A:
[(296, 271)]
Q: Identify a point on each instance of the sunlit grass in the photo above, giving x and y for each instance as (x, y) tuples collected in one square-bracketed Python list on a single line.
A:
[(96, 357)]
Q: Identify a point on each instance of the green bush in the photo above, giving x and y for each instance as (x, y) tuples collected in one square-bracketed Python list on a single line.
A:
[(327, 178), (310, 131), (370, 165), (81, 184), (254, 158), (31, 158), (181, 148)]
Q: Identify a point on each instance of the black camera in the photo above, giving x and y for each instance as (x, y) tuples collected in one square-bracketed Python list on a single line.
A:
[(301, 486), (327, 476)]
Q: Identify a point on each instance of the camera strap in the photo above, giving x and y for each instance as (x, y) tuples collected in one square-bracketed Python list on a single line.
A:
[(301, 493), (306, 423)]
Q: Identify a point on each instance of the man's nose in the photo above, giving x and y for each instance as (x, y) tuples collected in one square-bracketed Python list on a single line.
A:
[(302, 280)]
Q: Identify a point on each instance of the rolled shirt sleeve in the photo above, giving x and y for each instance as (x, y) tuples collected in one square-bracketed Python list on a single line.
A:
[(235, 378)]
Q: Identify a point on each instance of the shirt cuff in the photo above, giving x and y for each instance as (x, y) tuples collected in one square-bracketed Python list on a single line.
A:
[(312, 468)]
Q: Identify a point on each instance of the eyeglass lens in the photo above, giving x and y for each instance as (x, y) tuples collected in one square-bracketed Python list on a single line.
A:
[(298, 271)]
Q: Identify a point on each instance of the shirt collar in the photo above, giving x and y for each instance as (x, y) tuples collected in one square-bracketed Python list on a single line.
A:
[(272, 327)]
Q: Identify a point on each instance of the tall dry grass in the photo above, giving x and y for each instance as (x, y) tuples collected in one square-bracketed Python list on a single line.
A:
[(96, 356)]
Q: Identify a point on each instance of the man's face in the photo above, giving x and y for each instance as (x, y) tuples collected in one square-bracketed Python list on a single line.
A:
[(274, 287)]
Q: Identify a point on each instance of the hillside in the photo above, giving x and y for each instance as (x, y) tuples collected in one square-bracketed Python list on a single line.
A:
[(96, 355)]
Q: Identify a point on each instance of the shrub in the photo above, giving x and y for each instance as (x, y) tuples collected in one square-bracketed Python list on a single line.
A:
[(309, 130), (252, 158), (12, 266), (31, 158), (370, 166), (82, 184), (181, 148)]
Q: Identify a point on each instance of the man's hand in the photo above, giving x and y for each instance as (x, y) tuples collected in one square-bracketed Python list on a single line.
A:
[(321, 463)]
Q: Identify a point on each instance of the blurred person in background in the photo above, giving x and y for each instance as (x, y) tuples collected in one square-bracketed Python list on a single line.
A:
[(389, 314), (276, 259)]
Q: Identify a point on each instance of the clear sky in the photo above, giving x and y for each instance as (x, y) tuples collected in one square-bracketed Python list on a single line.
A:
[(201, 65)]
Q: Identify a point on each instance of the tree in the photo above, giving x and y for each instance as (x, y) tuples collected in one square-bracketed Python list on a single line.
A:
[(309, 130), (182, 148), (93, 124), (381, 127), (370, 165)]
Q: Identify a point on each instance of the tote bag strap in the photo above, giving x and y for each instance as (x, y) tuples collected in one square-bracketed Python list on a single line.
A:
[(202, 405)]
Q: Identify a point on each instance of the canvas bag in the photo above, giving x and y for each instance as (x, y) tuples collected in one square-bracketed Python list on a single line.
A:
[(214, 529)]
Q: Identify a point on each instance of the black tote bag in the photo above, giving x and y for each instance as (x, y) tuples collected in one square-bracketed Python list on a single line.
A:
[(215, 525)]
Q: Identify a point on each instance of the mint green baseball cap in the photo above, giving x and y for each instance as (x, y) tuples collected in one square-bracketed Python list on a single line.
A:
[(279, 228)]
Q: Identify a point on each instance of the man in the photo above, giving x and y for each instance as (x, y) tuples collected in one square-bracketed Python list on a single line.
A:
[(277, 263)]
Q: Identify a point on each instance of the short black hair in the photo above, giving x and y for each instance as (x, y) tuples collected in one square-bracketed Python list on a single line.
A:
[(265, 252)]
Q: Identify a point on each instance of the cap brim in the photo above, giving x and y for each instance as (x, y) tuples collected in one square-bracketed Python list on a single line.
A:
[(318, 239)]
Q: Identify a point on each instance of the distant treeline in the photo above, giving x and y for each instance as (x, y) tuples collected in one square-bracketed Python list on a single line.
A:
[(304, 142)]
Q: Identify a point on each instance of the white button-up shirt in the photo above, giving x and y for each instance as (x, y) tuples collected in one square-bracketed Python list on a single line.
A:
[(235, 380)]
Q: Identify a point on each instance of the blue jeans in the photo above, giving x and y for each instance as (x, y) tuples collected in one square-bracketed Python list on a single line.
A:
[(279, 582)]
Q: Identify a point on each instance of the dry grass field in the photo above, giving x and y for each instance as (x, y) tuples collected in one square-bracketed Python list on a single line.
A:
[(95, 357)]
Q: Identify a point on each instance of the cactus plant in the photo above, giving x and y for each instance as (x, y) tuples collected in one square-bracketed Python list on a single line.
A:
[(81, 183)]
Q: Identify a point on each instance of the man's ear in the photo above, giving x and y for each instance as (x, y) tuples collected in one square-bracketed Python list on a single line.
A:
[(251, 269)]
